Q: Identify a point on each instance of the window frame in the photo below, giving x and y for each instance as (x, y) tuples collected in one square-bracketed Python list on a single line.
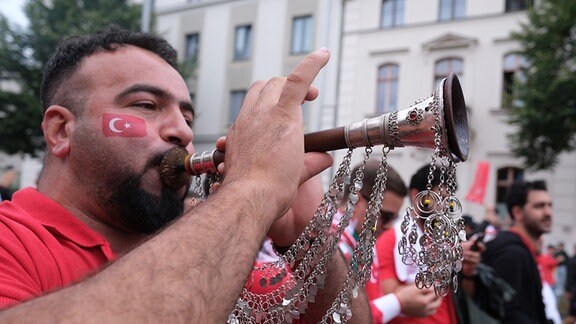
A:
[(454, 5), (397, 13), (235, 104), (439, 75), (387, 87), (244, 53), (196, 52), (301, 37), (505, 176), (510, 75), (517, 5)]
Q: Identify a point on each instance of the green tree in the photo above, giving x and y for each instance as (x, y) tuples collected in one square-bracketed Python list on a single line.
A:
[(545, 112), (23, 53)]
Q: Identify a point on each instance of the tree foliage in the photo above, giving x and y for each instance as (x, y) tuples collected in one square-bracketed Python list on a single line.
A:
[(24, 51), (545, 112)]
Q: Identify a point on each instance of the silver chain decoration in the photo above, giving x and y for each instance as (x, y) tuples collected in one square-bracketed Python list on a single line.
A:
[(310, 255), (438, 251), (360, 267)]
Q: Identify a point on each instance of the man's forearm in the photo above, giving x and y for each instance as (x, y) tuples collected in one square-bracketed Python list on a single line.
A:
[(337, 271), (192, 272)]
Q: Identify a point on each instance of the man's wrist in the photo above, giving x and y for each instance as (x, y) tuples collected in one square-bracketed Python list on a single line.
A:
[(254, 199), (389, 305)]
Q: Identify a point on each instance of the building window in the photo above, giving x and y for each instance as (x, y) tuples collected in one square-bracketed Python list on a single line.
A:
[(301, 35), (505, 177), (517, 5), (236, 99), (243, 42), (452, 9), (392, 13), (513, 66), (446, 66), (387, 93), (192, 46)]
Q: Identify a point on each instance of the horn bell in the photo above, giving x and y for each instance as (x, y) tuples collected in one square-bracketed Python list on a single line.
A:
[(442, 114)]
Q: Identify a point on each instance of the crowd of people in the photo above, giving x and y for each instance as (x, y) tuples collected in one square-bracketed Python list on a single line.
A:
[(102, 239)]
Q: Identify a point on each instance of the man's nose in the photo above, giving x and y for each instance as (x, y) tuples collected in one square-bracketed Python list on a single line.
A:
[(175, 129)]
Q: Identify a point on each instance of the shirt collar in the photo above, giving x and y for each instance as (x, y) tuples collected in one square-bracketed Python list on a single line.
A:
[(525, 240), (59, 220)]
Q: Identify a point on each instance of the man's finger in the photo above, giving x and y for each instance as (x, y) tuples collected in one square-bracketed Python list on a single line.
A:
[(312, 94), (299, 80), (314, 163)]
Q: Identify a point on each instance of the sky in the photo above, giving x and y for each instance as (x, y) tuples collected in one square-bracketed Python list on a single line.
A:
[(12, 9)]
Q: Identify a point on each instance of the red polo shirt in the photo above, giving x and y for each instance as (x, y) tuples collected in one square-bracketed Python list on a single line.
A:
[(44, 247)]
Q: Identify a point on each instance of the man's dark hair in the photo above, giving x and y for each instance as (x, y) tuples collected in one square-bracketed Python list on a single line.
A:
[(517, 193), (419, 180), (394, 182), (468, 220), (72, 50)]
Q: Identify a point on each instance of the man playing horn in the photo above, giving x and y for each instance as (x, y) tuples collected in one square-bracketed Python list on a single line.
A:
[(102, 239)]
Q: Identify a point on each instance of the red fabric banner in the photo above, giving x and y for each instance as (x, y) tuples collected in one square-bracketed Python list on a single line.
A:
[(123, 125), (478, 189)]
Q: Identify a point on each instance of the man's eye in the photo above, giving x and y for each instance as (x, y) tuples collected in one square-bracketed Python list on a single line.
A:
[(146, 105)]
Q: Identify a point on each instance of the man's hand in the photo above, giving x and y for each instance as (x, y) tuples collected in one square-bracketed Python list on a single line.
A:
[(471, 257), (265, 145), (417, 302), (286, 230)]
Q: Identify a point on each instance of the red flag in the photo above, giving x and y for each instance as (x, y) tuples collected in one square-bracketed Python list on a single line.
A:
[(478, 189), (123, 125)]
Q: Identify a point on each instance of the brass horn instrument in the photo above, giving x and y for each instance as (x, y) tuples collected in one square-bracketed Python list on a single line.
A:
[(414, 126)]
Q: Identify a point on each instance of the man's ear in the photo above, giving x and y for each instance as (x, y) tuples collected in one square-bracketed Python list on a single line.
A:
[(57, 128), (517, 213), (413, 192)]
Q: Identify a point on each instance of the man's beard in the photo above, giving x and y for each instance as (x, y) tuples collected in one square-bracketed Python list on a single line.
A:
[(534, 227), (141, 211)]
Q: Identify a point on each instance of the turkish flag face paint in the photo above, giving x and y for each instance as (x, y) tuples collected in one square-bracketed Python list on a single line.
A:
[(123, 125)]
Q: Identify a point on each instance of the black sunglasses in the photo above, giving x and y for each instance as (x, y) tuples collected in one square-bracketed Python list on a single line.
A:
[(385, 216)]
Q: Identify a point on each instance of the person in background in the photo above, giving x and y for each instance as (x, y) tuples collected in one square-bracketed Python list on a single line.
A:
[(490, 225), (571, 288), (512, 254), (7, 181), (547, 264), (561, 270), (470, 226), (392, 201)]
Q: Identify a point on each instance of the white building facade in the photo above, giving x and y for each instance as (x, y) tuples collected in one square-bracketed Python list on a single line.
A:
[(385, 55)]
